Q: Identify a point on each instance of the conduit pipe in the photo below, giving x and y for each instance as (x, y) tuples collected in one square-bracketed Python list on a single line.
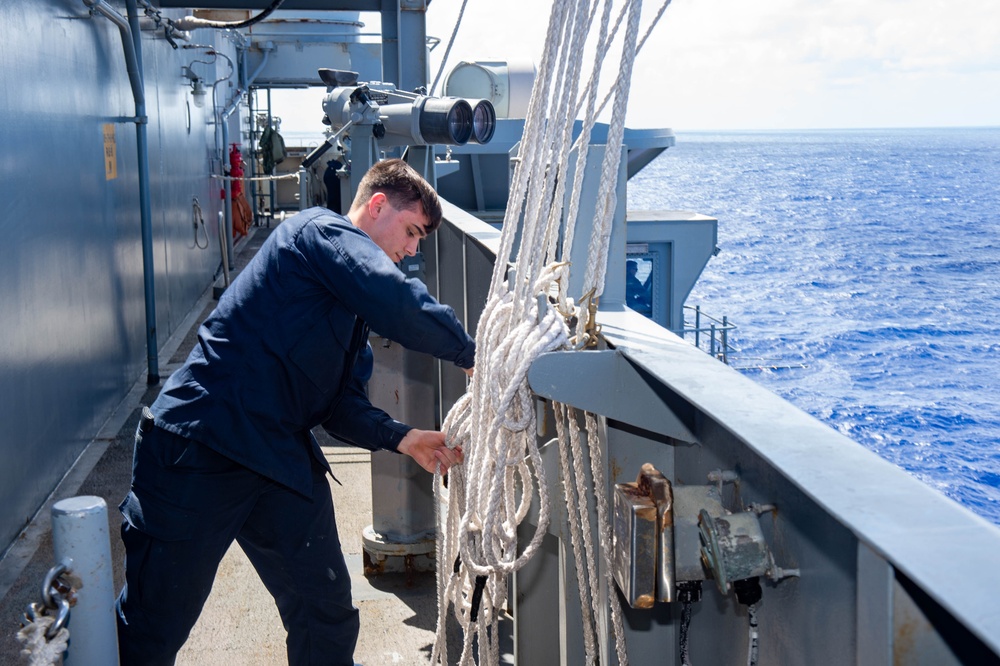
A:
[(266, 48), (222, 120), (228, 184), (131, 43)]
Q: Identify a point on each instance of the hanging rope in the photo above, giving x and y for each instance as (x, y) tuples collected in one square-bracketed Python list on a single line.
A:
[(528, 312)]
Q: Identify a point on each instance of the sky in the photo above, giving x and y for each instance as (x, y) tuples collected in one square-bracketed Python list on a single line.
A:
[(777, 64)]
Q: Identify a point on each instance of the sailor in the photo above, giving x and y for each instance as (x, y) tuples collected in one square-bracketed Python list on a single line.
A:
[(636, 293), (225, 451)]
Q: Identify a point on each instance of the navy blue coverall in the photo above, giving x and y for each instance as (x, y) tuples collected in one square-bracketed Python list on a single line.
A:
[(226, 452)]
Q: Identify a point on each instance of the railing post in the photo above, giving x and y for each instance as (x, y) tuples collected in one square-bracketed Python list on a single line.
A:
[(725, 339), (712, 344), (80, 537), (697, 326), (303, 188)]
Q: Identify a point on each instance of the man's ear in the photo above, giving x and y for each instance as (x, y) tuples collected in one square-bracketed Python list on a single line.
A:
[(376, 203)]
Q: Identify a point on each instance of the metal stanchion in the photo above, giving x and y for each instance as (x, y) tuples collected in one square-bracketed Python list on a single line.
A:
[(303, 188), (80, 538)]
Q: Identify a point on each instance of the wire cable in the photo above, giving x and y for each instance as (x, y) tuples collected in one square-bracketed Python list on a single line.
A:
[(444, 58)]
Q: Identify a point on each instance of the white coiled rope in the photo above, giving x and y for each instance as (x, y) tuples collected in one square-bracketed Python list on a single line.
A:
[(526, 315), (37, 648)]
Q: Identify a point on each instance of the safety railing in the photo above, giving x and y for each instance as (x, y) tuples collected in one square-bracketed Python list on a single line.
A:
[(710, 334), (869, 550)]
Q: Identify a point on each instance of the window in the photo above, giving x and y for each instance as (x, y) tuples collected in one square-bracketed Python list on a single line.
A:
[(639, 284)]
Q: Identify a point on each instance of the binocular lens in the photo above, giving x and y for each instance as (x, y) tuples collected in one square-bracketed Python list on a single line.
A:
[(484, 121), (446, 121)]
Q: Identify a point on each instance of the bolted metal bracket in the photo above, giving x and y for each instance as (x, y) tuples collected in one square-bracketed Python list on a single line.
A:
[(644, 538)]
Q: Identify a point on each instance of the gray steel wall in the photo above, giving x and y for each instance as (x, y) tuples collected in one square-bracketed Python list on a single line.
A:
[(72, 329)]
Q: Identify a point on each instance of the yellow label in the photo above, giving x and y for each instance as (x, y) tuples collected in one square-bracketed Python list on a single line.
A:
[(110, 153)]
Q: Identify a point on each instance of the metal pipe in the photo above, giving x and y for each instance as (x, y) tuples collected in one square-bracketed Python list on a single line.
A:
[(267, 47), (80, 537), (303, 188), (272, 194), (697, 326), (131, 57), (221, 119), (131, 43), (725, 339), (222, 248), (227, 189), (228, 184)]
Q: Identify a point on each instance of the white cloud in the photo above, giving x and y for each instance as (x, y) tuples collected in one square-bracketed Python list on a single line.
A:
[(732, 64), (801, 63)]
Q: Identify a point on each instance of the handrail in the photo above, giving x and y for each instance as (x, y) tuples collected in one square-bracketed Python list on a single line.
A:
[(718, 333)]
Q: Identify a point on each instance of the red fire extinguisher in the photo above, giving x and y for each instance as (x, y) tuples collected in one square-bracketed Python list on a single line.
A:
[(242, 214), (235, 171)]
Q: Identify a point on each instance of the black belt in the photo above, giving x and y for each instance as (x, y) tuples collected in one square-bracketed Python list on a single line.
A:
[(146, 423)]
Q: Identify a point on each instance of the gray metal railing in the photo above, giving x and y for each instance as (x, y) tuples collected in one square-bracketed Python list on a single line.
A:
[(870, 539), (713, 332)]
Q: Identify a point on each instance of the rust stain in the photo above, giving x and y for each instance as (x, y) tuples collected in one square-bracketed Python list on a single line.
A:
[(644, 601), (372, 568), (646, 513), (410, 568), (616, 470), (904, 642)]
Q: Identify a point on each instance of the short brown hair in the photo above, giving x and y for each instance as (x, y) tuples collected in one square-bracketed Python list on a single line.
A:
[(403, 187)]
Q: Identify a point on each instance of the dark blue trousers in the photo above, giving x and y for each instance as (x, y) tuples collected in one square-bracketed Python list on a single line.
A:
[(186, 506)]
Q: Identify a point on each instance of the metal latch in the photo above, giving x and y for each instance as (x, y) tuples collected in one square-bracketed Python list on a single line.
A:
[(644, 538)]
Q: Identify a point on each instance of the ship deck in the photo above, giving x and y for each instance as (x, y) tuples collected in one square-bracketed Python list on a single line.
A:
[(240, 623)]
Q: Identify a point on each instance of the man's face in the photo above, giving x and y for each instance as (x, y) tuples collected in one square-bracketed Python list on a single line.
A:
[(396, 231)]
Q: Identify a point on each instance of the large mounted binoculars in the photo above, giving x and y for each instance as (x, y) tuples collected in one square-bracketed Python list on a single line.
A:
[(399, 118)]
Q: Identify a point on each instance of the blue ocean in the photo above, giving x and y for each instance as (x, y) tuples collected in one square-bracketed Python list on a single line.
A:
[(862, 268)]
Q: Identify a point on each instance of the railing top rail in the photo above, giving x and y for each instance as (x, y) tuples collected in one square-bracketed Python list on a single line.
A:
[(705, 315), (470, 225)]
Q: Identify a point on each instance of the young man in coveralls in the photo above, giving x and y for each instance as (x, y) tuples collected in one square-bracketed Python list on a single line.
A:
[(225, 451)]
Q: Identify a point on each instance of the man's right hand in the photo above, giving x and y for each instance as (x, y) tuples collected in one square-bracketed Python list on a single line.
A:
[(427, 447)]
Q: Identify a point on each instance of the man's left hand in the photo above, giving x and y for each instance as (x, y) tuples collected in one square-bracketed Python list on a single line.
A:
[(427, 447)]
